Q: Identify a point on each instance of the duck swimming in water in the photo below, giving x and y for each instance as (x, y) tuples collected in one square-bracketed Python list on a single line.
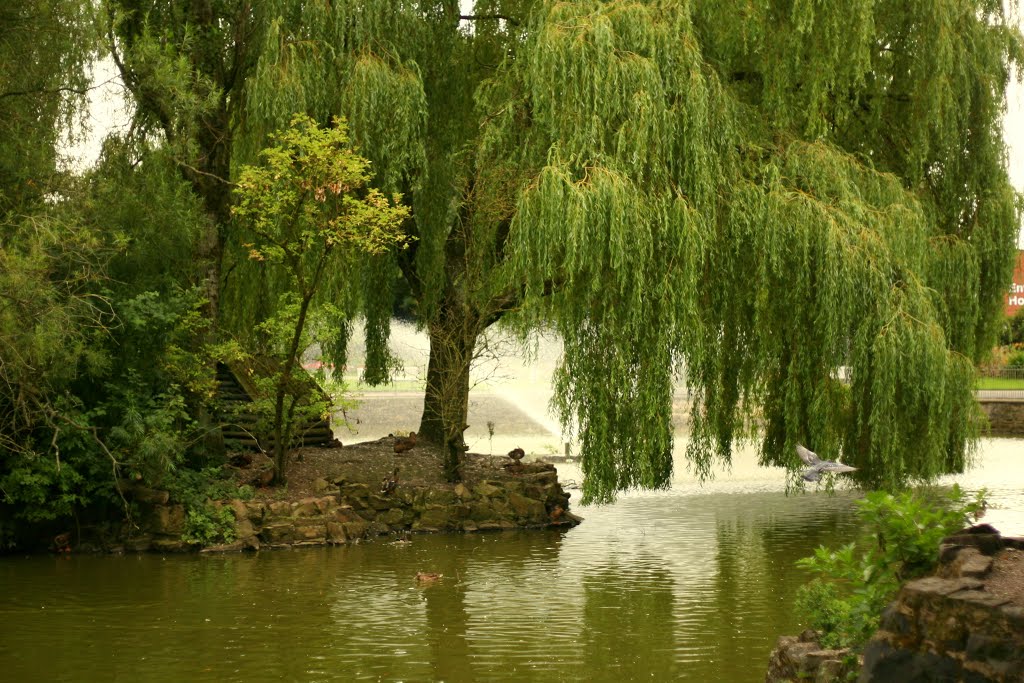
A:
[(424, 578), (816, 465)]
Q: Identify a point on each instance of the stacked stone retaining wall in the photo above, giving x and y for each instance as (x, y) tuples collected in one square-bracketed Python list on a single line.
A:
[(356, 511), (959, 625), (949, 627), (1005, 416)]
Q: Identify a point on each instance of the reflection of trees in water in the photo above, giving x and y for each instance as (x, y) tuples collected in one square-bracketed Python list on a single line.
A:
[(629, 623), (387, 627), (757, 576)]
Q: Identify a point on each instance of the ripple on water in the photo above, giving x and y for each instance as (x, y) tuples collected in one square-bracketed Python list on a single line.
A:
[(688, 584)]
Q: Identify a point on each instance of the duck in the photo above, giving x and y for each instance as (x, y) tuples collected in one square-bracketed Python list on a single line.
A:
[(403, 444), (389, 484), (816, 465), (428, 577), (515, 467)]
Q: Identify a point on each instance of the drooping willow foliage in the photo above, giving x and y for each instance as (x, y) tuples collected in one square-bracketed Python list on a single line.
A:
[(762, 193)]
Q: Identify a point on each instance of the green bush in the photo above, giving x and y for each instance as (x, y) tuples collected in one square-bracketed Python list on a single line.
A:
[(205, 523), (900, 540), (209, 525), (1015, 359), (1013, 329)]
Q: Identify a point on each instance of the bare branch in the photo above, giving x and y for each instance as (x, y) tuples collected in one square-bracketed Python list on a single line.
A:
[(489, 17)]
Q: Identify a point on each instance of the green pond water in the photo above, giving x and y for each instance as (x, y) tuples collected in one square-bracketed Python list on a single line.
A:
[(691, 584)]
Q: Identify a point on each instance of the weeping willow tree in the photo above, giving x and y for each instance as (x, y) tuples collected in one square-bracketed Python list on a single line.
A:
[(758, 192)]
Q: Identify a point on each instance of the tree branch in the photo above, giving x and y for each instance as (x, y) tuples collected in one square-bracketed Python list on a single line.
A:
[(489, 17), (513, 298), (52, 91)]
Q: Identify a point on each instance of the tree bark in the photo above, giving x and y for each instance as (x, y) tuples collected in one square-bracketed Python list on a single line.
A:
[(446, 401)]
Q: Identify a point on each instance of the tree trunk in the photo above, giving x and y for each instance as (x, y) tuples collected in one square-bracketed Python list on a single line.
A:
[(215, 191), (446, 401), (283, 427)]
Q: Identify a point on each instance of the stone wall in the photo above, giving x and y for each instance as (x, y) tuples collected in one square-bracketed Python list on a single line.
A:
[(956, 625), (1005, 415), (802, 658), (965, 623), (355, 511)]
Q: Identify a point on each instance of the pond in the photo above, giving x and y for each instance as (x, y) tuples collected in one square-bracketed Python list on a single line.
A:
[(691, 584)]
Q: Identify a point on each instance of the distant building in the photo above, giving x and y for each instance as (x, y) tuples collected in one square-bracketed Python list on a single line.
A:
[(1015, 297)]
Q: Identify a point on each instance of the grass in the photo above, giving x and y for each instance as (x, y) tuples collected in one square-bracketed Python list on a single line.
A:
[(356, 387), (999, 383)]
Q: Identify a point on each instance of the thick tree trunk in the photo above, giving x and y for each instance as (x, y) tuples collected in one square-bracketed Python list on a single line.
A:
[(446, 402), (213, 188)]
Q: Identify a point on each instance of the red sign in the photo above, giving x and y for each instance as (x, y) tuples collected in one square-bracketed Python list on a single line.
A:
[(1015, 297)]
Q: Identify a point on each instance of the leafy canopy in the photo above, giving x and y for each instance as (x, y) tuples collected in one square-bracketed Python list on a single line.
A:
[(750, 195), (306, 206)]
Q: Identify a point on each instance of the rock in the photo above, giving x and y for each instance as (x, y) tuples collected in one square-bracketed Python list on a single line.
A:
[(799, 659), (307, 507), (527, 509), (462, 491), (392, 517), (948, 627), (336, 533), (168, 520), (487, 489), (143, 494), (435, 518), (320, 485), (240, 460)]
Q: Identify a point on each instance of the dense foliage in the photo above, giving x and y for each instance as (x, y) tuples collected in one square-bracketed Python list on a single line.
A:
[(898, 542), (307, 208), (759, 194), (762, 193)]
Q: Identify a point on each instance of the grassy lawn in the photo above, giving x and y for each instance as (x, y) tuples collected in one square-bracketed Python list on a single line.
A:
[(358, 387), (999, 383)]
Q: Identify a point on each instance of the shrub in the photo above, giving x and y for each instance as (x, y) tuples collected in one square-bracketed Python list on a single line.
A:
[(900, 539), (205, 523), (208, 525), (1015, 359)]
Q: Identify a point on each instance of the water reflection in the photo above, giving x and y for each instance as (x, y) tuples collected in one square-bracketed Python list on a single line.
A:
[(629, 622), (692, 584)]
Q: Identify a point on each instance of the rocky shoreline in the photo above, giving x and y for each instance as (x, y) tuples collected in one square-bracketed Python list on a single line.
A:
[(964, 623), (526, 496)]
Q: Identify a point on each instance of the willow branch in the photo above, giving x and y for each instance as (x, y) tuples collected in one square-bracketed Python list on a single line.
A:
[(489, 17)]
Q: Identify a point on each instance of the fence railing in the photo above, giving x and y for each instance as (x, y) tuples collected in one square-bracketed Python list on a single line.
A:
[(1005, 382)]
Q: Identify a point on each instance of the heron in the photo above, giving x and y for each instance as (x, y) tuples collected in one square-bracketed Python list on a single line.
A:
[(816, 465)]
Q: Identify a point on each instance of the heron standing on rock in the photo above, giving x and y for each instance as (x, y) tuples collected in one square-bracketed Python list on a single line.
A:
[(816, 465)]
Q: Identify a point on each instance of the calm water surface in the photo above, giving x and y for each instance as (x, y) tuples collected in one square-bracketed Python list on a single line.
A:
[(693, 584)]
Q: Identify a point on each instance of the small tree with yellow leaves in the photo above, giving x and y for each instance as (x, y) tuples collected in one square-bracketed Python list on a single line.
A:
[(306, 206)]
